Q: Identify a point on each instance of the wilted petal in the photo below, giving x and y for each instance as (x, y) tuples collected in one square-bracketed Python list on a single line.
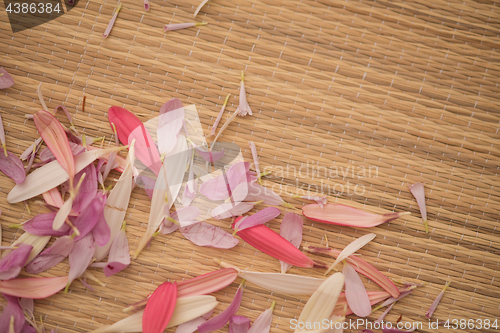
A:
[(119, 257), (291, 230), (186, 216), (349, 216), (112, 21), (210, 156), (382, 316), (6, 81), (223, 318), (160, 308), (205, 234), (90, 216), (219, 116), (12, 310), (255, 157), (229, 209), (221, 187), (436, 301), (170, 123), (261, 217), (243, 108), (29, 151), (146, 5), (263, 323), (61, 248), (167, 227), (200, 6), (239, 324), (12, 263), (54, 136), (80, 257), (418, 192), (13, 168), (41, 225), (2, 133), (36, 288), (375, 297), (351, 248), (355, 292)]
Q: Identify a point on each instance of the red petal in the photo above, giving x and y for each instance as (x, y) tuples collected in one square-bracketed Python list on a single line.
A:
[(159, 309)]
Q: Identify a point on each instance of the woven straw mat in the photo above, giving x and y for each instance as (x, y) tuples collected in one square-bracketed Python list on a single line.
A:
[(358, 99)]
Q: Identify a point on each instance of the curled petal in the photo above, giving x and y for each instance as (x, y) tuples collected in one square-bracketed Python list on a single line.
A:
[(351, 248), (418, 192), (205, 234), (13, 168), (88, 188), (200, 6), (243, 108), (291, 230), (355, 292), (382, 316), (90, 216), (6, 81), (12, 263), (146, 5), (223, 318), (112, 21)]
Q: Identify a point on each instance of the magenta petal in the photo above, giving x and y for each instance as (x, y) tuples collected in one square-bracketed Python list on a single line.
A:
[(12, 309), (14, 261), (190, 326), (61, 248), (119, 257), (101, 231), (355, 292), (239, 324), (186, 216), (89, 217), (81, 257), (6, 81), (41, 225), (205, 234), (229, 209), (47, 156), (88, 189), (218, 189), (210, 156), (27, 304), (261, 217), (221, 320), (12, 166), (291, 230)]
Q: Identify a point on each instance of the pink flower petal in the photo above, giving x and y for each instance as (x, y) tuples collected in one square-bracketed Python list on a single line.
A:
[(47, 156), (349, 216), (170, 123), (112, 21), (190, 326), (355, 292), (101, 231), (12, 263), (261, 217), (6, 81), (12, 166), (168, 227), (61, 248), (160, 308), (351, 248), (418, 192), (205, 234), (319, 200), (41, 225), (36, 288), (395, 330), (219, 188), (171, 27), (239, 324), (80, 257), (12, 310), (223, 318), (147, 183), (146, 5), (188, 195), (256, 192), (263, 323), (88, 188), (29, 151), (186, 216), (382, 316), (219, 116), (291, 230), (243, 108), (89, 217), (119, 257), (436, 301), (210, 156), (229, 209)]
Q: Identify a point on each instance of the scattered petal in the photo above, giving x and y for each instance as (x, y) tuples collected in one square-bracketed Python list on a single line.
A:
[(35, 288), (418, 192), (38, 243), (255, 157), (89, 217), (119, 257), (382, 316), (112, 21), (80, 257), (146, 5), (375, 297), (223, 318), (186, 216), (219, 116), (434, 305), (261, 217), (61, 248), (190, 326), (321, 201), (2, 133), (12, 263), (210, 156), (352, 248), (355, 292), (160, 308), (13, 168), (221, 187), (170, 123), (255, 192), (6, 81), (41, 225), (230, 209), (291, 230), (88, 188), (12, 316), (200, 6), (263, 323), (239, 324), (205, 234), (243, 108)]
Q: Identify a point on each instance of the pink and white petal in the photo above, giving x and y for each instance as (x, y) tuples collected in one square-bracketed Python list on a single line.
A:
[(223, 318), (205, 234), (13, 168), (291, 229), (190, 326), (261, 217), (221, 187), (80, 257), (229, 209), (355, 292), (186, 216), (239, 324), (6, 81), (12, 263), (119, 257)]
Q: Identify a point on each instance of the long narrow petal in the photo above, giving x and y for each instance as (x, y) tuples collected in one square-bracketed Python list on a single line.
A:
[(382, 316), (261, 217), (62, 214), (80, 257), (288, 284), (434, 305), (89, 217), (347, 216), (210, 156), (129, 128), (61, 248), (53, 198), (13, 168), (200, 6), (6, 81), (239, 324), (229, 209), (375, 297), (255, 157), (88, 188), (186, 216), (351, 248), (112, 21), (12, 263), (175, 167), (418, 192), (35, 288), (119, 257), (29, 151), (117, 204), (223, 318), (12, 312), (186, 309), (47, 156), (38, 243), (41, 225), (291, 230), (355, 292), (190, 326), (170, 123), (219, 116), (256, 192), (2, 132), (321, 304), (54, 136), (218, 189), (206, 234), (362, 267), (52, 175), (263, 323), (160, 308)]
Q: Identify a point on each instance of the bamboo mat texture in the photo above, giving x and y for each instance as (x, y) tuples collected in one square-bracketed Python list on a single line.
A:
[(354, 99)]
